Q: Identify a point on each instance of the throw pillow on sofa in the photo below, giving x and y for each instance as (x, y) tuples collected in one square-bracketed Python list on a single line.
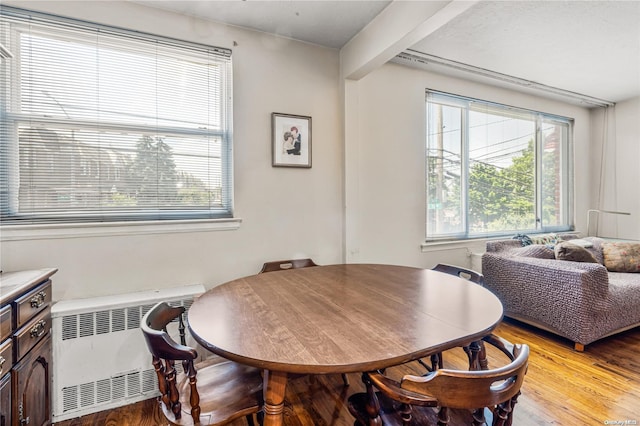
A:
[(596, 248), (574, 253), (621, 256)]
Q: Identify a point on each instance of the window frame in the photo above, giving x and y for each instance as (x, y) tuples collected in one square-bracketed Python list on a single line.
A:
[(11, 117), (566, 173)]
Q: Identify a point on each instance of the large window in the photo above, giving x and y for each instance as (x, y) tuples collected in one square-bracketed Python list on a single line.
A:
[(103, 124), (494, 169)]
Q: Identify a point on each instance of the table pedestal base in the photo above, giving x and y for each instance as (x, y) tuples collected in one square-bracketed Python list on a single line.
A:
[(275, 385)]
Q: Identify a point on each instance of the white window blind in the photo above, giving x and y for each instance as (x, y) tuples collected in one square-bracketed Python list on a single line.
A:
[(104, 124)]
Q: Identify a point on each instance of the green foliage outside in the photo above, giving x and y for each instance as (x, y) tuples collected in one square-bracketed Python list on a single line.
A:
[(499, 198), (153, 180), (503, 198)]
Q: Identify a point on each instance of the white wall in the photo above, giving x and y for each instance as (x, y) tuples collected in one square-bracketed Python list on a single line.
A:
[(615, 168), (285, 212), (390, 170)]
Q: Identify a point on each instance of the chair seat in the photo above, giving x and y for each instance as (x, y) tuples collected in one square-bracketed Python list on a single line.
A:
[(424, 416), (227, 390)]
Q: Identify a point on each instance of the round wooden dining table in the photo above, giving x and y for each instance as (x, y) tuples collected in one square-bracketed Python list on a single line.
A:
[(339, 319)]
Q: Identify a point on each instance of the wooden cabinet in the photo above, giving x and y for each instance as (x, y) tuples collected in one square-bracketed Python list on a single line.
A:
[(32, 378), (25, 348), (5, 400)]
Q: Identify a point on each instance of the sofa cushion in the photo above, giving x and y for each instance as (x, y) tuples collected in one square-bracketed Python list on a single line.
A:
[(596, 248), (569, 251), (538, 251), (621, 256)]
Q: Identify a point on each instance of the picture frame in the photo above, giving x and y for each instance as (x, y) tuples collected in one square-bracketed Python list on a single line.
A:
[(290, 140)]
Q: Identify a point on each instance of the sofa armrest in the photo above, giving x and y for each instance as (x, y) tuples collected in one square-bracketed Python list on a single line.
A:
[(566, 297), (534, 273)]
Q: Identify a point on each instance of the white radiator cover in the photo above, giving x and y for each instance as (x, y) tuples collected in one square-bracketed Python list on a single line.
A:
[(476, 262), (100, 360)]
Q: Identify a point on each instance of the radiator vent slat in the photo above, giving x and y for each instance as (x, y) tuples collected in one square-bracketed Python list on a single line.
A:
[(103, 393), (87, 394), (133, 317), (118, 387), (117, 320), (86, 324), (69, 327), (149, 381), (70, 398), (103, 322), (133, 384)]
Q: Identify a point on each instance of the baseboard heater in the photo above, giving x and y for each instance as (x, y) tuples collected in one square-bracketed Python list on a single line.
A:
[(100, 360)]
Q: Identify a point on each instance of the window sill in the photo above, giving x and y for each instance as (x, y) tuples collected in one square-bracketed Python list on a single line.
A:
[(451, 244), (481, 241), (109, 229)]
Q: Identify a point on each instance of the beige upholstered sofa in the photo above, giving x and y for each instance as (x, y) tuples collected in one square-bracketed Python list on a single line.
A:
[(581, 301)]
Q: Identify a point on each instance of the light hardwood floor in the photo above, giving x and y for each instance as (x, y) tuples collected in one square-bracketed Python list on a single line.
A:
[(597, 387)]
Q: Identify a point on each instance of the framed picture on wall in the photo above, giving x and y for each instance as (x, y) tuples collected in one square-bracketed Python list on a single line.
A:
[(290, 140)]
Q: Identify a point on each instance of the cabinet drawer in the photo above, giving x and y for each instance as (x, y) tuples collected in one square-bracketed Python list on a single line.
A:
[(6, 357), (33, 302), (5, 322), (34, 331)]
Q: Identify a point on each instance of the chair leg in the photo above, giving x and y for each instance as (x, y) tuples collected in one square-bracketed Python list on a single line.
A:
[(443, 416), (436, 361), (477, 354), (250, 421), (345, 379), (405, 414), (424, 364), (478, 417), (373, 405), (514, 401), (503, 414)]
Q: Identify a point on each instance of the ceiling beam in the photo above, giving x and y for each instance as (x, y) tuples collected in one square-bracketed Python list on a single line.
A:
[(399, 26)]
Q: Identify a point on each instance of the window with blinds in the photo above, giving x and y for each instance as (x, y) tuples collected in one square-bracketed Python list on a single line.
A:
[(103, 124), (495, 169)]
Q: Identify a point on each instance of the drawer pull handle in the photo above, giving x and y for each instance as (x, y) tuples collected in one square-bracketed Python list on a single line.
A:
[(2, 361), (38, 299), (38, 329)]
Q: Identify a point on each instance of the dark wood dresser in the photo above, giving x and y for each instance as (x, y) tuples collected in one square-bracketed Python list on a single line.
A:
[(25, 347)]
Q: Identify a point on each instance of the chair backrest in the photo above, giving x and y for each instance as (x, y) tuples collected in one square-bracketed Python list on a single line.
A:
[(467, 274), (165, 351), (474, 389), (281, 265)]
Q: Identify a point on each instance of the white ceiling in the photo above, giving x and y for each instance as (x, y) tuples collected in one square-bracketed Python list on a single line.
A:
[(328, 23), (587, 47)]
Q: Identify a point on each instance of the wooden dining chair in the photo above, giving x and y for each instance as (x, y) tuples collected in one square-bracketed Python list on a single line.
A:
[(437, 360), (212, 392), (283, 265), (445, 396), (467, 274)]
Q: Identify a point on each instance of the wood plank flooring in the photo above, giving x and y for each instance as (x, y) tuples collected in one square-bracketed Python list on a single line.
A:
[(563, 387)]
